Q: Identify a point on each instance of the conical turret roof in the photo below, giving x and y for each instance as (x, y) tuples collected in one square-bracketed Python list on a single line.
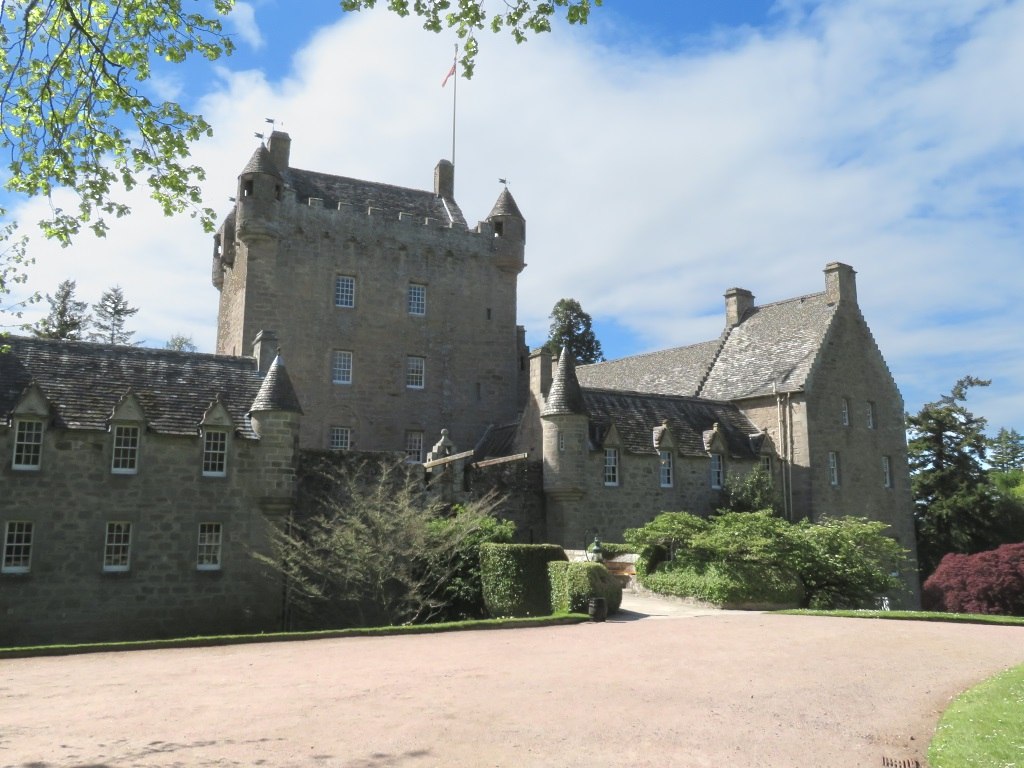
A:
[(505, 206), (261, 162), (565, 395), (276, 393)]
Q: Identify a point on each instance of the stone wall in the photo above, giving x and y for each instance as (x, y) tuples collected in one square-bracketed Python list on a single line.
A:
[(67, 597)]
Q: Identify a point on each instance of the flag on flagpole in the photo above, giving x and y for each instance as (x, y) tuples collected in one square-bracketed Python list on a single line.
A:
[(451, 72)]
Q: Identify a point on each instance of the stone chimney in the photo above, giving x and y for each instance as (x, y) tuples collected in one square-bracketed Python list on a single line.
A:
[(264, 349), (540, 374), (444, 179), (280, 146), (840, 284), (738, 302)]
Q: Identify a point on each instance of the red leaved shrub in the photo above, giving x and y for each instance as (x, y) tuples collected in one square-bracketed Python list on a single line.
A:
[(988, 582)]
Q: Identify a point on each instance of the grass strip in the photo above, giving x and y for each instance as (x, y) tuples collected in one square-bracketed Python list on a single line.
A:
[(963, 618), (286, 637)]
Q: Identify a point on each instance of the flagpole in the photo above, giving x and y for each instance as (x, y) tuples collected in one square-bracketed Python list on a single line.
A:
[(455, 92)]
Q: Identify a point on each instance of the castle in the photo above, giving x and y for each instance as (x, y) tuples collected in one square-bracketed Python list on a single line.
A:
[(137, 483)]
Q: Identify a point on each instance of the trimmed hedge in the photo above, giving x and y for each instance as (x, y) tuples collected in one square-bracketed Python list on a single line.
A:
[(515, 578), (573, 584), (987, 582)]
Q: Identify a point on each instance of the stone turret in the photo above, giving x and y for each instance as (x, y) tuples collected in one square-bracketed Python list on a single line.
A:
[(509, 233), (260, 187), (565, 425), (276, 416)]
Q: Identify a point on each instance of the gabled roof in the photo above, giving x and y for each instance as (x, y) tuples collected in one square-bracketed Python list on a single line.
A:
[(677, 371), (362, 195), (85, 381), (636, 416), (773, 349)]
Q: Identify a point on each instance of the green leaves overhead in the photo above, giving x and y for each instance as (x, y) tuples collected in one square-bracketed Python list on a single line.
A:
[(75, 113)]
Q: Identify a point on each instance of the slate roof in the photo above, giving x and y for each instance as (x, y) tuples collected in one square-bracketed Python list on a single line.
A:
[(84, 381), (773, 349), (261, 162), (497, 441), (677, 371), (362, 195), (505, 205), (636, 416), (276, 392), (564, 397)]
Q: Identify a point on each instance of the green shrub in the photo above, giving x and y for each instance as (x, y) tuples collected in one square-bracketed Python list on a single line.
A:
[(573, 584), (662, 537), (515, 578), (727, 584), (611, 549)]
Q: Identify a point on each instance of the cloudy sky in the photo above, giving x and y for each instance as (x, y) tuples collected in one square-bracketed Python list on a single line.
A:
[(664, 153)]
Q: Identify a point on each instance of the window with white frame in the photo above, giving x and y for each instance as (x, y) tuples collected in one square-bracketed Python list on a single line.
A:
[(886, 472), (717, 471), (415, 372), (117, 547), (17, 547), (765, 462), (611, 466), (870, 415), (833, 468), (344, 291), (208, 547), (124, 459), (28, 444), (340, 439), (665, 468), (341, 367), (844, 412), (215, 452), (414, 446), (417, 299)]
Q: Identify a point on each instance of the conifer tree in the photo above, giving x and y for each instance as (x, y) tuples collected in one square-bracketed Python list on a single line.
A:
[(111, 314), (571, 329), (1007, 450), (68, 317)]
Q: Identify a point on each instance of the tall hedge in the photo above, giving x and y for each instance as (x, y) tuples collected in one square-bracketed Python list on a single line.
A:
[(989, 582), (515, 578), (573, 584)]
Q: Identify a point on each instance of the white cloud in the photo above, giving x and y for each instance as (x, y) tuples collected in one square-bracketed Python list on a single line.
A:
[(887, 136), (242, 22)]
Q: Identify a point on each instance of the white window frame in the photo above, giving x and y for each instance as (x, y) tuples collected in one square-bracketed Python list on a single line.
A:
[(344, 291), (611, 467), (414, 446), (341, 367), (844, 412), (28, 445), (886, 472), (764, 461), (416, 301), (124, 454), (17, 547), (665, 469), (833, 469), (339, 438), (215, 452), (717, 471), (415, 372), (117, 546), (871, 415), (209, 546)]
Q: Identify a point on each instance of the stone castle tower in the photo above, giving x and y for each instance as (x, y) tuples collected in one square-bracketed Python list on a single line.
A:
[(398, 319)]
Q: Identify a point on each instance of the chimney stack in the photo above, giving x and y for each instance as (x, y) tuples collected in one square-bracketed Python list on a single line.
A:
[(840, 284), (444, 179), (279, 145), (738, 302), (264, 349)]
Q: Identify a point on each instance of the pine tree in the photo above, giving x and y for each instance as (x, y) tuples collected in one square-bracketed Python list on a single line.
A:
[(1007, 450), (112, 312), (68, 317), (571, 329)]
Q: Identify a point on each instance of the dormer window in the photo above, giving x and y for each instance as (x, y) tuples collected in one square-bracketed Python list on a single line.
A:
[(717, 471), (28, 444), (665, 468), (215, 452), (611, 467), (124, 458)]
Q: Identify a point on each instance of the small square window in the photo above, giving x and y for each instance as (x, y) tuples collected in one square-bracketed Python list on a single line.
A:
[(344, 291), (415, 372), (665, 468), (414, 447), (215, 452), (886, 472), (125, 457), (341, 367), (28, 444), (340, 439), (717, 471), (117, 547), (833, 468), (611, 466), (17, 547), (417, 299), (208, 547)]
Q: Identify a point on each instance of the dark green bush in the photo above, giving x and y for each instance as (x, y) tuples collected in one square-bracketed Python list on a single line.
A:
[(573, 584), (515, 578)]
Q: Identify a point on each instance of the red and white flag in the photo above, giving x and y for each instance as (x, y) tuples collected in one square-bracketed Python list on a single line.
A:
[(451, 72)]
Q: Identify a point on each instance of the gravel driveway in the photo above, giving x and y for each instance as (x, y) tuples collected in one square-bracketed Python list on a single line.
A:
[(696, 688)]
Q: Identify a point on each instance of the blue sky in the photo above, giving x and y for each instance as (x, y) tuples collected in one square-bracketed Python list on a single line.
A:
[(666, 152)]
